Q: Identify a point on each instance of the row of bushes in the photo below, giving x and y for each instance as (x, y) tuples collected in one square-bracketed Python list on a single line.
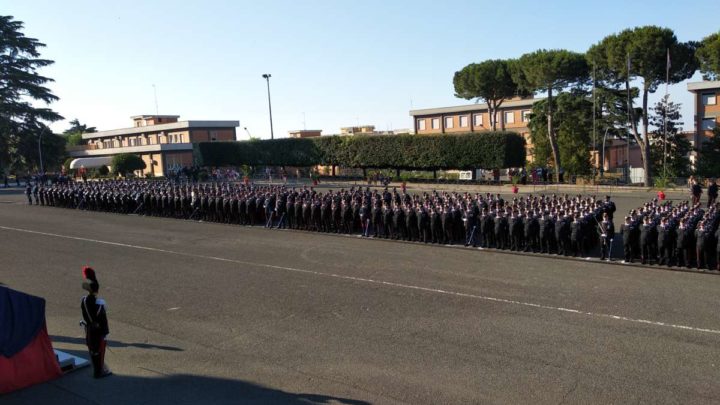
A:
[(430, 152)]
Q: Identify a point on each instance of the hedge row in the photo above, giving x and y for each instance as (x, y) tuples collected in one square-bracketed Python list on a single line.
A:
[(486, 150)]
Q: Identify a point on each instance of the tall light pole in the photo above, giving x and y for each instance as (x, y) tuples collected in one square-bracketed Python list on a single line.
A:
[(602, 161), (267, 77), (42, 169)]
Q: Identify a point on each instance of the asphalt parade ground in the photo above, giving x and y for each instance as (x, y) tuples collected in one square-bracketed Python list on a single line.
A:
[(206, 313)]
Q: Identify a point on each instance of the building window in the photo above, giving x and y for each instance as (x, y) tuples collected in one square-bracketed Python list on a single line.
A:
[(509, 117), (463, 121), (526, 116), (708, 124), (421, 125), (709, 99), (448, 122), (435, 123), (477, 120), (213, 136)]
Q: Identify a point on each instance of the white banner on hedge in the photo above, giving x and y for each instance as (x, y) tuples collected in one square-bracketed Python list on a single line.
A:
[(466, 175)]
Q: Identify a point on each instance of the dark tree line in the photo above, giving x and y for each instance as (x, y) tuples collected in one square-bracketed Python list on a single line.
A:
[(427, 152), (636, 55)]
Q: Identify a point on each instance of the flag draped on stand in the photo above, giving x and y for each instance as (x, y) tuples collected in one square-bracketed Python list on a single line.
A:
[(26, 354)]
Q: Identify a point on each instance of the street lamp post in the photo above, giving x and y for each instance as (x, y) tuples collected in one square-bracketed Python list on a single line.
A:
[(602, 162), (267, 77), (42, 169)]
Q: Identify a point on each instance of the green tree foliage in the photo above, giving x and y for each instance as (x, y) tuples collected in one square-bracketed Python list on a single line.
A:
[(572, 113), (125, 163), (25, 153), (708, 55), (74, 139), (646, 48), (20, 86), (463, 151), (708, 165), (73, 135), (675, 148), (550, 71), (489, 81)]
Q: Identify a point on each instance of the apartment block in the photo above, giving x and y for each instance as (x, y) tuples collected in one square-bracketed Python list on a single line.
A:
[(514, 114), (305, 133), (707, 111), (162, 141)]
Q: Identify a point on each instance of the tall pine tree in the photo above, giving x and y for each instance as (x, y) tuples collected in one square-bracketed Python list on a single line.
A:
[(675, 148), (21, 86)]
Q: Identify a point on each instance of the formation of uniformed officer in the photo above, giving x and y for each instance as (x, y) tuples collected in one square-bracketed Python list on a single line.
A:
[(551, 224), (683, 235), (686, 235)]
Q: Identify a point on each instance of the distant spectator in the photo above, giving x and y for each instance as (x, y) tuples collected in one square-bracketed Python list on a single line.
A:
[(695, 191), (712, 192)]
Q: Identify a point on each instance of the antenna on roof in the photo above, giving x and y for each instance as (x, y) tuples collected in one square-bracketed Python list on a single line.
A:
[(157, 110)]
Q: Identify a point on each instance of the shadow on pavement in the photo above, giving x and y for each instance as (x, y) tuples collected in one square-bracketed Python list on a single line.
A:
[(114, 343), (12, 191), (80, 388)]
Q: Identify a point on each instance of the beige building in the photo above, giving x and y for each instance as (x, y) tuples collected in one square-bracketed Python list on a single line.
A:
[(162, 141), (707, 112), (513, 114), (305, 133), (358, 130)]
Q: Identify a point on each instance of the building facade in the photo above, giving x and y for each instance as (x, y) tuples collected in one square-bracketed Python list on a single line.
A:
[(162, 141), (358, 130), (305, 133), (707, 112), (513, 114)]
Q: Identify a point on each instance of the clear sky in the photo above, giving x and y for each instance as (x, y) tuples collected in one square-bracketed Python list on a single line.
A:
[(333, 63)]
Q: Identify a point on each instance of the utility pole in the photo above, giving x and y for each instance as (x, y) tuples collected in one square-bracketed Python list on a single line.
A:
[(157, 110), (630, 123), (595, 154), (42, 168), (267, 77), (665, 108)]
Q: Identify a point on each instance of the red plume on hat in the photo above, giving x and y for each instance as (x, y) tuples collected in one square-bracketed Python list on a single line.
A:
[(89, 273), (90, 284)]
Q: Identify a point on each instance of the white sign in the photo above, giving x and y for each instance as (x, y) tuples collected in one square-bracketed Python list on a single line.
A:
[(466, 175)]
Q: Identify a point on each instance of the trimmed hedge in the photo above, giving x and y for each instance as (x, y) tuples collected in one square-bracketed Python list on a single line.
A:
[(487, 150)]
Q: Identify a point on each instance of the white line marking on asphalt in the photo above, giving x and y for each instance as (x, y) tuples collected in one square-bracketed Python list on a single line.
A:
[(173, 309), (380, 282)]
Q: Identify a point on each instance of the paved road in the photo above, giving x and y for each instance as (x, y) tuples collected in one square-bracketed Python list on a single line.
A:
[(206, 313)]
